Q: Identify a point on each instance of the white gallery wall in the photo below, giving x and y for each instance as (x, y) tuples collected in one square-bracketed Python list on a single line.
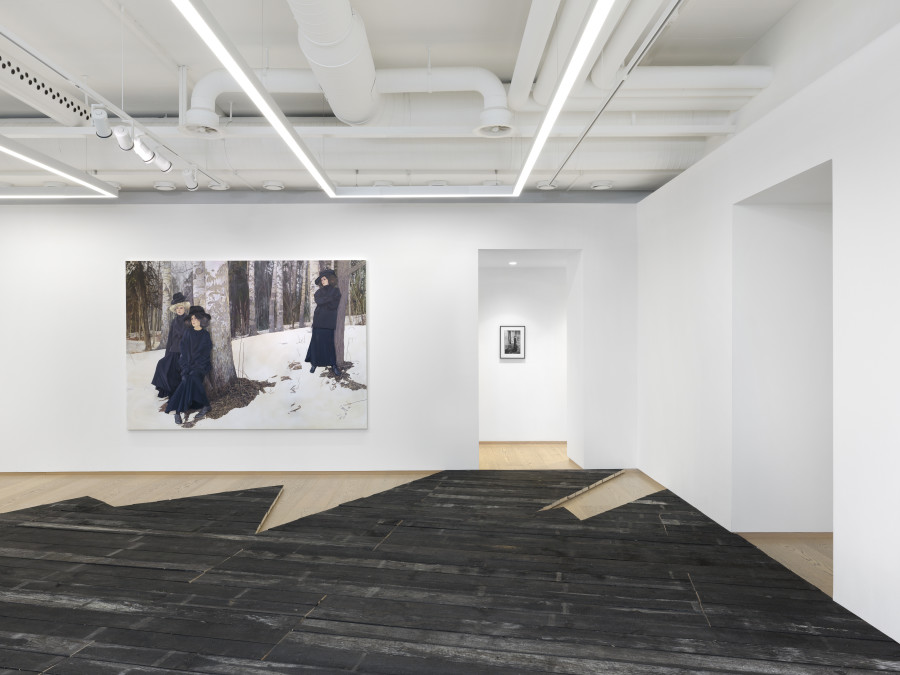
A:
[(782, 369), (847, 116), (64, 345), (523, 399)]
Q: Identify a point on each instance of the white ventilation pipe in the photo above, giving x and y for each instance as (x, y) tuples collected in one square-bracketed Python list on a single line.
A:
[(333, 39), (541, 19), (203, 120), (699, 77), (564, 37), (495, 119)]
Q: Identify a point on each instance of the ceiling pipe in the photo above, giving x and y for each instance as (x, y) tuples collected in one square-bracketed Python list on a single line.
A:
[(201, 119), (541, 19), (333, 39), (699, 77), (495, 119), (568, 26)]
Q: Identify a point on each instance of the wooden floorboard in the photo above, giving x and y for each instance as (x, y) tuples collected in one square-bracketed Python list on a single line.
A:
[(457, 572)]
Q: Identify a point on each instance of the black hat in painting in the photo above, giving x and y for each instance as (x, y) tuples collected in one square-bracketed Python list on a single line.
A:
[(197, 311), (178, 300), (325, 273)]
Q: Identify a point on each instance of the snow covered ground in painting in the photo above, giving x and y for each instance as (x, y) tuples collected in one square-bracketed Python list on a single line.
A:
[(299, 399)]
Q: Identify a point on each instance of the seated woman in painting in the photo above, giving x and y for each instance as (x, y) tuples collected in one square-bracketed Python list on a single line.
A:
[(195, 362), (321, 350)]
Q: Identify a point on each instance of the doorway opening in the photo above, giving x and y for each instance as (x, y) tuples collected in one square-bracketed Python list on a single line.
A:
[(523, 390), (782, 485)]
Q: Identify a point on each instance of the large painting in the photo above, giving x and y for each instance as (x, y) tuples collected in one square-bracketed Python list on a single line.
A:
[(259, 344)]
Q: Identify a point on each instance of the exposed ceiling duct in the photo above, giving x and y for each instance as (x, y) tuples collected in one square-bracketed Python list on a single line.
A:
[(333, 39), (421, 116), (494, 118)]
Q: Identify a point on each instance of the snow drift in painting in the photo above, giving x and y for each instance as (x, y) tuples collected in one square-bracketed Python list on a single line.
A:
[(298, 400)]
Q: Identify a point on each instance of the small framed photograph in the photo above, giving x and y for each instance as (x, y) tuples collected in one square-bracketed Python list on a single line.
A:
[(512, 342)]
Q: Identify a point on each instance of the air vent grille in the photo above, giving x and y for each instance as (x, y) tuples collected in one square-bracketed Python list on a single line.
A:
[(22, 82)]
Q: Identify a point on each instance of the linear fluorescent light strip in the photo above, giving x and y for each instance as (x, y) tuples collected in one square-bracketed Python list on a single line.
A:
[(49, 164), (589, 36), (202, 22)]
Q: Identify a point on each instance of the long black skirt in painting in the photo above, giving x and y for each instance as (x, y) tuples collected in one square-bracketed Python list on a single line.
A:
[(168, 374), (190, 395), (321, 348)]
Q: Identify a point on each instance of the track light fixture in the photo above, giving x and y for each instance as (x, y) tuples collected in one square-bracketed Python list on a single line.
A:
[(100, 120), (143, 150), (190, 179), (123, 138), (162, 162)]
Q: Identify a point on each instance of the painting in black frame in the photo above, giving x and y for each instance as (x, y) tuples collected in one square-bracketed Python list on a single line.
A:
[(512, 342)]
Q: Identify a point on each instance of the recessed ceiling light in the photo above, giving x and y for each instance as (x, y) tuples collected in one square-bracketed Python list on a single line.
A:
[(513, 262), (218, 186), (164, 185), (602, 185), (545, 185), (273, 185)]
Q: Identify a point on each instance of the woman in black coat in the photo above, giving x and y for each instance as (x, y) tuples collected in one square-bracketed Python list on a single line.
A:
[(196, 362), (168, 372), (321, 345)]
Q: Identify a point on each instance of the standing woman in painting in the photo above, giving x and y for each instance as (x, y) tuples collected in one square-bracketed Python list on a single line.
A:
[(196, 362), (321, 345), (168, 371)]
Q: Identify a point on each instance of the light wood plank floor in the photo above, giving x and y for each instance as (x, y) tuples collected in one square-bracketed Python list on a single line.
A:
[(304, 493), (617, 490), (524, 456), (807, 554)]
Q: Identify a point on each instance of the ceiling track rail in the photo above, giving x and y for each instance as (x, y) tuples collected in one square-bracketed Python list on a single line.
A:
[(101, 100), (665, 18)]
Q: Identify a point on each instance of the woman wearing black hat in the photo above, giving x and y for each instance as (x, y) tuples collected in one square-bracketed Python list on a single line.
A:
[(168, 372), (196, 362), (321, 345)]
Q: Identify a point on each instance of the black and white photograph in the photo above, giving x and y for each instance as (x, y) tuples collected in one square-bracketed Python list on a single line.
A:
[(512, 342)]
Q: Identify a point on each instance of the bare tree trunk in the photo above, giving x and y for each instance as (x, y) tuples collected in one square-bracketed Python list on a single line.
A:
[(342, 269), (304, 282), (167, 292), (272, 300), (200, 284), (251, 284), (311, 289), (292, 288), (141, 290), (219, 307), (278, 288)]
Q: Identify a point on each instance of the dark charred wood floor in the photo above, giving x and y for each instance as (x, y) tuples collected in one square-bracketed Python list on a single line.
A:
[(459, 572)]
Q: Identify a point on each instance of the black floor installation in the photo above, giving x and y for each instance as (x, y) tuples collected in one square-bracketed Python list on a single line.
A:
[(459, 572)]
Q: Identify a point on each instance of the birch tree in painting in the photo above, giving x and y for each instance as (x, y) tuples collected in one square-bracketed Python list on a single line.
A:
[(301, 292), (218, 306), (311, 288), (343, 274), (199, 293), (165, 274), (271, 324), (251, 284), (278, 287)]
